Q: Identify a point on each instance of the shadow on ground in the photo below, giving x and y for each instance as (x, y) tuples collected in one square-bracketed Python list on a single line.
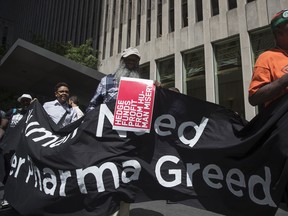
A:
[(143, 212)]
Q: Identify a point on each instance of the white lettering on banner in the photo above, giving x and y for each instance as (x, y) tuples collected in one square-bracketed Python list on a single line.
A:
[(257, 180), (199, 130), (104, 111), (50, 180), (216, 180), (135, 170), (98, 174), (159, 122), (212, 175), (53, 140), (176, 173), (240, 182), (63, 177), (162, 128)]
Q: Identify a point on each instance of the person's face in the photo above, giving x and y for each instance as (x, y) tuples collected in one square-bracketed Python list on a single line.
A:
[(25, 102), (283, 35), (62, 94), (131, 62)]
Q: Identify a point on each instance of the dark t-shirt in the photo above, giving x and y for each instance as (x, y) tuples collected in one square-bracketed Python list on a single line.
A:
[(14, 116)]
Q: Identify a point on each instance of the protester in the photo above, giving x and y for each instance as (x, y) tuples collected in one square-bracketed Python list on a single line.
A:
[(2, 123), (10, 121), (14, 115), (59, 110), (74, 103), (107, 90), (108, 87), (270, 74)]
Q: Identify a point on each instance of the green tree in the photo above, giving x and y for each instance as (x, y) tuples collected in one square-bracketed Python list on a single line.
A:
[(84, 54)]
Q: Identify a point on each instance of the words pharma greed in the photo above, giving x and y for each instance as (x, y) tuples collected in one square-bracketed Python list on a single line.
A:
[(46, 179)]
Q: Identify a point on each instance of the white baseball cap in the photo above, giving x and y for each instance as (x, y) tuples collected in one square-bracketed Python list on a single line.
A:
[(130, 51), (24, 96)]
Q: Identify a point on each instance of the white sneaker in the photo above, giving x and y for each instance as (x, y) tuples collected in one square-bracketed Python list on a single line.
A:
[(4, 204)]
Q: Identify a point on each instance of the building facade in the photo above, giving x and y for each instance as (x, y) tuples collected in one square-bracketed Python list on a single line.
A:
[(205, 48), (50, 21)]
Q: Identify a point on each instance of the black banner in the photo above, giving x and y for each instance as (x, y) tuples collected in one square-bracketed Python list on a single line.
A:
[(197, 153)]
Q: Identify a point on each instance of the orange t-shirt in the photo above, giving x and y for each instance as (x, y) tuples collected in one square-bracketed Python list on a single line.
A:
[(270, 66)]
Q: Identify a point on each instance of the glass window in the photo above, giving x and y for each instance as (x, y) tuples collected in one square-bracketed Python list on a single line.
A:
[(229, 80), (166, 72), (184, 13), (113, 28), (105, 31), (194, 74), (138, 29), (215, 7), (148, 21), (129, 23), (199, 10), (159, 18), (261, 41), (145, 71), (232, 4), (171, 16), (120, 26)]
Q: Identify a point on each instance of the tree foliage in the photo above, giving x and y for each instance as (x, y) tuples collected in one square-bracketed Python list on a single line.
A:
[(83, 54)]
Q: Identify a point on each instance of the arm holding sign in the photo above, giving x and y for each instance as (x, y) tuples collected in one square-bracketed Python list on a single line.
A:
[(98, 97)]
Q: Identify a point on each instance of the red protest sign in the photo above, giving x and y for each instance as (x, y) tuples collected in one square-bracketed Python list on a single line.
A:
[(134, 105)]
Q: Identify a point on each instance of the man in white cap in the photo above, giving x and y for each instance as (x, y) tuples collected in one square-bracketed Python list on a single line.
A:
[(14, 115), (108, 87), (107, 90), (11, 119)]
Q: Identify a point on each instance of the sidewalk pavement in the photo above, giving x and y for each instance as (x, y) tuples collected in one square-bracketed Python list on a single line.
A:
[(153, 208)]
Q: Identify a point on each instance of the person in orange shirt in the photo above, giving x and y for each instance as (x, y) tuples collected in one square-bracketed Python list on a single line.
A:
[(270, 74)]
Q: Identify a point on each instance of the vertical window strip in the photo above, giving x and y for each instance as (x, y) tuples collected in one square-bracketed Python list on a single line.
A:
[(171, 16), (199, 10), (159, 18), (138, 28), (184, 9), (148, 21), (120, 26)]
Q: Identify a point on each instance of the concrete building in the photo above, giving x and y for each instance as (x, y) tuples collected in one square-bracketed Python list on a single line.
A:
[(50, 21), (32, 69), (206, 48)]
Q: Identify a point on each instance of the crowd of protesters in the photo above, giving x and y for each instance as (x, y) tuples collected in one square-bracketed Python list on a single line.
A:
[(65, 109), (269, 81)]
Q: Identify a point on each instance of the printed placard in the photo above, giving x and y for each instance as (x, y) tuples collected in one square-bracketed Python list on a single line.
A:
[(134, 105)]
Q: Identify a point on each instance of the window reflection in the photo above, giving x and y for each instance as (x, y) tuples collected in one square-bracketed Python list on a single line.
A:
[(261, 41), (229, 81), (145, 71), (166, 72), (194, 69)]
